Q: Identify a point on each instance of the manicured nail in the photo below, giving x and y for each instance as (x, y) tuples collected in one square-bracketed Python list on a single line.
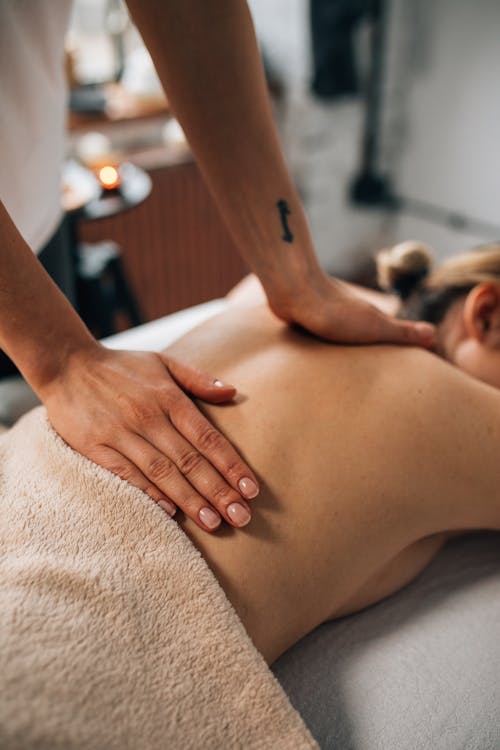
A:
[(168, 507), (209, 518), (238, 514), (248, 488)]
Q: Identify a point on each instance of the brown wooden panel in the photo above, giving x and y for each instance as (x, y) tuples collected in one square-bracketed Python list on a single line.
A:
[(176, 250)]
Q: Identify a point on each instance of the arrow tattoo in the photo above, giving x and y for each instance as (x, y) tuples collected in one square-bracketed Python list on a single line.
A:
[(287, 236)]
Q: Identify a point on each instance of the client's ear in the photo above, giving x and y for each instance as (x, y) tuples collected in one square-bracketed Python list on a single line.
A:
[(482, 314)]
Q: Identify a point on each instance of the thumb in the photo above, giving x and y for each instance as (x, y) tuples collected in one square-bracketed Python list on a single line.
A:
[(407, 332), (198, 383)]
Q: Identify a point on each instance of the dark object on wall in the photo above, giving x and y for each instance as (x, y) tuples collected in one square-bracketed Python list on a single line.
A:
[(333, 24), (369, 187)]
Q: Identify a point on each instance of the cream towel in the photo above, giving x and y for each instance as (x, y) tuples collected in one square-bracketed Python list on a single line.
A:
[(114, 631)]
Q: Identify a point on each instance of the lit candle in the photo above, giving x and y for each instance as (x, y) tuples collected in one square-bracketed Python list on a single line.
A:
[(109, 177)]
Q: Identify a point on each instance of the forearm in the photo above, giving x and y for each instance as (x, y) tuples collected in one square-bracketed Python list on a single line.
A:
[(39, 330), (207, 58)]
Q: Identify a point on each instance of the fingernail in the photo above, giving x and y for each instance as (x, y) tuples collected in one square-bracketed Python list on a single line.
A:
[(209, 518), (238, 514), (248, 488), (219, 383), (168, 507)]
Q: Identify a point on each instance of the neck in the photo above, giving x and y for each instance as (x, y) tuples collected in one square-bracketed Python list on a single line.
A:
[(450, 331)]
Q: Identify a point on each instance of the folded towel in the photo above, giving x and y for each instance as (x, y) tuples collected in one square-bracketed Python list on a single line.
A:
[(114, 631)]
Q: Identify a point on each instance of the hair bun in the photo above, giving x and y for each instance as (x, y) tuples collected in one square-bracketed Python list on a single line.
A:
[(401, 268)]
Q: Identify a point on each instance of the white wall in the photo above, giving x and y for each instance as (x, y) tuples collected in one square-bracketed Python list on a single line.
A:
[(441, 126), (283, 29), (445, 60)]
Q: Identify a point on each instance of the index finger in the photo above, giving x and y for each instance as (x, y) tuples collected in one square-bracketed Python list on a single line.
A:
[(216, 448)]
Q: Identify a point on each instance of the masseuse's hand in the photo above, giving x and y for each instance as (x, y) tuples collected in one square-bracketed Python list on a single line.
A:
[(327, 308), (126, 412), (123, 410)]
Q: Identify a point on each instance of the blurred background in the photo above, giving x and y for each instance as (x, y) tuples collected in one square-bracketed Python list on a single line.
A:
[(388, 111)]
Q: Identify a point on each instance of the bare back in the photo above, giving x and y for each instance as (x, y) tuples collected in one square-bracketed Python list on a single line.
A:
[(356, 452)]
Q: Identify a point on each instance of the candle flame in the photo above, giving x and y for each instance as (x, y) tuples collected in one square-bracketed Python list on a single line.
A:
[(109, 177)]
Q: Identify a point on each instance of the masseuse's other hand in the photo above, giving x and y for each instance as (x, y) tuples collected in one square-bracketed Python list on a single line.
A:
[(126, 412), (327, 308)]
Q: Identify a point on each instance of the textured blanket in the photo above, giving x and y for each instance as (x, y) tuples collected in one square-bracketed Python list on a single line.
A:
[(114, 633)]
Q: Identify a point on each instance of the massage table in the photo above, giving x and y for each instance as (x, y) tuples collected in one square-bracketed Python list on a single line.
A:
[(419, 671)]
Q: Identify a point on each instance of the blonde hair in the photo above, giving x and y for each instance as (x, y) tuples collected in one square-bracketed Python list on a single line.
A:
[(408, 270)]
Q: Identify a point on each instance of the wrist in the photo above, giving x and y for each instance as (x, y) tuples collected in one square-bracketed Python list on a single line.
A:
[(289, 287), (56, 366)]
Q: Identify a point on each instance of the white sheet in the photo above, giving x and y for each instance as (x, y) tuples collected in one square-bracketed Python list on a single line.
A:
[(160, 333)]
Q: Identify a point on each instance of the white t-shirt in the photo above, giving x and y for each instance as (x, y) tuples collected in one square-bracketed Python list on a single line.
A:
[(32, 113)]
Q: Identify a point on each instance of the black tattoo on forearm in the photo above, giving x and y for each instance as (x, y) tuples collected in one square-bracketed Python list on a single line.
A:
[(287, 236)]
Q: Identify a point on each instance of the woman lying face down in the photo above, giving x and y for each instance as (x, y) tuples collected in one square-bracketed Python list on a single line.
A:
[(369, 457), (461, 297)]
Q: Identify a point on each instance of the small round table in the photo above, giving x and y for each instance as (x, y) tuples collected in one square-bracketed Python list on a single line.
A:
[(102, 286)]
